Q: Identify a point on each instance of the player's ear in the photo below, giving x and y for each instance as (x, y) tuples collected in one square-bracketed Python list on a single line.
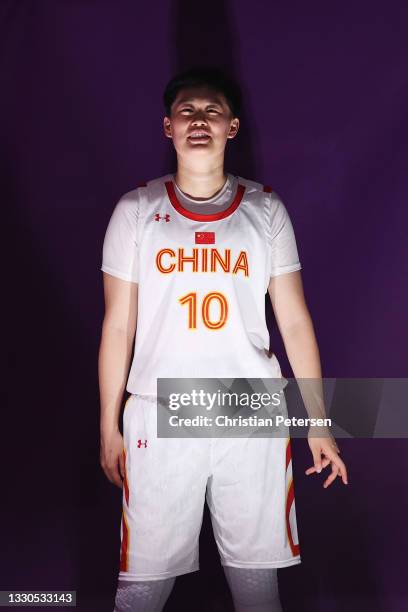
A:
[(167, 127), (234, 127)]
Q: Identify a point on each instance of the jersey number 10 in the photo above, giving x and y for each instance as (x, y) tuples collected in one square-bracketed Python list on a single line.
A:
[(191, 300)]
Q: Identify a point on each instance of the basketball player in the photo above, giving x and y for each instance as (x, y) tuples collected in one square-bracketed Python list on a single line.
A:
[(187, 260)]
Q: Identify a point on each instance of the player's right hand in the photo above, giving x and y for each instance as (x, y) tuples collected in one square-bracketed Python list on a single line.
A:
[(111, 457)]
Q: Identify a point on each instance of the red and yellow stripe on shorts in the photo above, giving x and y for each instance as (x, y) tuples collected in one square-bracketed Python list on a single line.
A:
[(124, 550), (290, 498)]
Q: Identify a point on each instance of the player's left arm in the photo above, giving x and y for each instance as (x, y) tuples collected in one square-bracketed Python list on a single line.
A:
[(298, 335)]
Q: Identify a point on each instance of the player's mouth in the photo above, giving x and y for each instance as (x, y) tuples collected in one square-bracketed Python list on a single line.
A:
[(199, 136)]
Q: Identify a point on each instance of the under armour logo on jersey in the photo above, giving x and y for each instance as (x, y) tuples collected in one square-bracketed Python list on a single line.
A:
[(166, 217), (140, 444)]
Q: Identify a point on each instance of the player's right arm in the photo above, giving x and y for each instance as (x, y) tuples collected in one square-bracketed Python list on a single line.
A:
[(120, 282), (115, 352)]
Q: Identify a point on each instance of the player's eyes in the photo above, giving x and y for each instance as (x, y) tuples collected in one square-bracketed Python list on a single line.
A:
[(188, 110)]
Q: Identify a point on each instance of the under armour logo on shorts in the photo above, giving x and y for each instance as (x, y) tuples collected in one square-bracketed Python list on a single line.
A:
[(166, 217), (140, 444)]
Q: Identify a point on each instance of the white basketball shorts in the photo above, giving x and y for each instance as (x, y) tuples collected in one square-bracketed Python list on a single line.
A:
[(247, 483)]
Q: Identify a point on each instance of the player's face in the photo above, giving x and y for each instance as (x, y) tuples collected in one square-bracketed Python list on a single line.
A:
[(200, 123)]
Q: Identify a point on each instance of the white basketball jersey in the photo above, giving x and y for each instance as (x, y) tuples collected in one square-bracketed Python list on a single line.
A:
[(202, 280)]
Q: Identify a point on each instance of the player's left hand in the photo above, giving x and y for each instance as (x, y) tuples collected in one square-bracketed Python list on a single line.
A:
[(326, 446)]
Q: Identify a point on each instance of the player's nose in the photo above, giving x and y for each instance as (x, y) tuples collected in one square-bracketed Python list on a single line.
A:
[(199, 118)]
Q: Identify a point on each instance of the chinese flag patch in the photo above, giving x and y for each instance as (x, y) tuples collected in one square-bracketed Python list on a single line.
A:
[(205, 237)]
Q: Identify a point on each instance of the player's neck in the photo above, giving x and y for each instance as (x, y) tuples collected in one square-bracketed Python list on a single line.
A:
[(200, 184)]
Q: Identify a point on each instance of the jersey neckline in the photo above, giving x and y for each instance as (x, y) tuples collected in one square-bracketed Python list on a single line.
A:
[(195, 216)]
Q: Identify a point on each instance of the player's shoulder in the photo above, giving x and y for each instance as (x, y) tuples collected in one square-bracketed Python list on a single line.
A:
[(269, 201), (133, 205), (265, 192), (127, 209), (130, 198), (149, 190), (254, 186)]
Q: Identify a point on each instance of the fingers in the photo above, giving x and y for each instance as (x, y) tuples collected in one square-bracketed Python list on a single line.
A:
[(317, 458), (122, 465), (112, 473), (114, 468), (330, 456), (342, 470), (116, 478), (112, 457), (325, 463), (338, 463), (333, 476), (336, 471)]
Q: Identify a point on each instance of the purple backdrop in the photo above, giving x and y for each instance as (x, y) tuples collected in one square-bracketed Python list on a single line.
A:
[(324, 122)]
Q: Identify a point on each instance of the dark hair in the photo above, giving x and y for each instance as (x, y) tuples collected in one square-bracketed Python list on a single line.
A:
[(198, 76)]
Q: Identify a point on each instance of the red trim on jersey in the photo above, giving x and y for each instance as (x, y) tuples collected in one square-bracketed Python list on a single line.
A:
[(141, 185), (267, 189), (200, 216)]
